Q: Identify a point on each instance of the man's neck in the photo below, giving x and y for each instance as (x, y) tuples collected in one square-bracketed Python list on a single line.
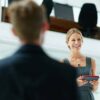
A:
[(35, 42)]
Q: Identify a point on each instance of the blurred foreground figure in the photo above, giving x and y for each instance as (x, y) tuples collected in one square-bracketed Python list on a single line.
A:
[(30, 74)]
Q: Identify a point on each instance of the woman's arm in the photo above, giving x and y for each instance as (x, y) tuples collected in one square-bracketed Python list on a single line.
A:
[(93, 72), (80, 81), (93, 67)]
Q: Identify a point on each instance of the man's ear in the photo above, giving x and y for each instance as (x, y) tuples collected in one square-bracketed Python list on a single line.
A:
[(45, 26), (14, 31)]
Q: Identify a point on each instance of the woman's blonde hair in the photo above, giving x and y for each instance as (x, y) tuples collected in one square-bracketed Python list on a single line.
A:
[(72, 31)]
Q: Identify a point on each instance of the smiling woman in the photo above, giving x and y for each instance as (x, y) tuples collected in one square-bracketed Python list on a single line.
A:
[(83, 64)]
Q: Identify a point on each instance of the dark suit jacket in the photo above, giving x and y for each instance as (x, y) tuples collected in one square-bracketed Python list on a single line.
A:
[(30, 74)]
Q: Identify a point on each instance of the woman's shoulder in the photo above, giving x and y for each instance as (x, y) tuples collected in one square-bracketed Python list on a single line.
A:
[(92, 60)]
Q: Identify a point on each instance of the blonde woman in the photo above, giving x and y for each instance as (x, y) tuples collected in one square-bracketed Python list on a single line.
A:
[(83, 64)]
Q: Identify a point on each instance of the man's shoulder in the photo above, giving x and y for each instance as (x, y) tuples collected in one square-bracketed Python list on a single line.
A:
[(4, 70), (6, 64), (6, 61), (61, 66), (62, 71)]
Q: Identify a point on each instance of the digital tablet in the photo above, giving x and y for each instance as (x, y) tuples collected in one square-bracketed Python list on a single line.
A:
[(90, 77)]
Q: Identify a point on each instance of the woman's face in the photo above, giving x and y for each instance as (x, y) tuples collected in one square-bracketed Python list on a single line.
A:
[(75, 42)]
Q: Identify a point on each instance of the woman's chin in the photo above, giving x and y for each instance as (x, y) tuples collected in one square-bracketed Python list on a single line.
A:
[(76, 49)]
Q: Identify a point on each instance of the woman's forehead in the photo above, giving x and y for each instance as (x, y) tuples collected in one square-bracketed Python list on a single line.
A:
[(75, 35)]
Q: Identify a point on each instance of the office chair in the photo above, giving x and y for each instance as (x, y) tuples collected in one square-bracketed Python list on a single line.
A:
[(88, 18), (48, 4)]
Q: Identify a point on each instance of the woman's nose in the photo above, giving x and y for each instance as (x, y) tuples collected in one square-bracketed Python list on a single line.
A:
[(76, 42)]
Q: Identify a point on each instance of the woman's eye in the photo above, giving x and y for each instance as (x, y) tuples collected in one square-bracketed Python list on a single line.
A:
[(73, 40), (79, 39)]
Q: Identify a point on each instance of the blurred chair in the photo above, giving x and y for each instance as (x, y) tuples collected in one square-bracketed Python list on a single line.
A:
[(10, 1), (88, 19), (48, 4)]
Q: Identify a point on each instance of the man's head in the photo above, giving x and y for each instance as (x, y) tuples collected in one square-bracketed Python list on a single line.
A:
[(28, 19)]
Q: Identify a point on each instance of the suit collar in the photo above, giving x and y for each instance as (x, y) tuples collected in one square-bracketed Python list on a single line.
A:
[(30, 48)]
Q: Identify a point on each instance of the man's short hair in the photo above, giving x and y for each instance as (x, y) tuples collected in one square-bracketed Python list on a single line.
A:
[(27, 18)]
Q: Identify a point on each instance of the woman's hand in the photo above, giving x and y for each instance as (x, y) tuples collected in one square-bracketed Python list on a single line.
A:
[(95, 84), (80, 81)]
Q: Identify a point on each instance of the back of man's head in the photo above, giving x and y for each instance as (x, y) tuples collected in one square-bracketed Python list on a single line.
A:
[(27, 19)]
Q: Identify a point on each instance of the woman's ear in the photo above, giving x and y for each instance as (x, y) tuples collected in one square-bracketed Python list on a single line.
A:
[(68, 46)]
